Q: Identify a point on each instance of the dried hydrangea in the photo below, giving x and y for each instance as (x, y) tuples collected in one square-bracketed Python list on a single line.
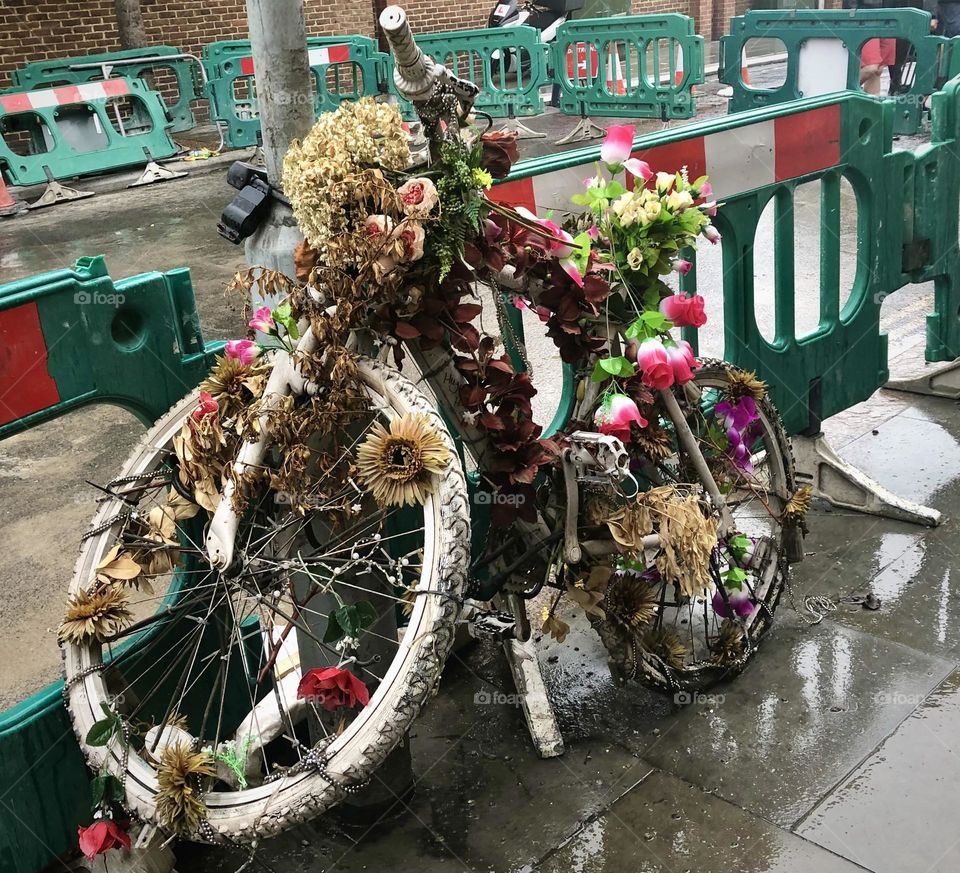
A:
[(333, 168)]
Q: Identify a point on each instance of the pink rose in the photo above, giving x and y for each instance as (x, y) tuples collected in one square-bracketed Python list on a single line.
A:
[(411, 234), (331, 687), (682, 361), (681, 266), (614, 415), (712, 234), (656, 370), (262, 320), (419, 197), (617, 144), (684, 311), (244, 351), (377, 225)]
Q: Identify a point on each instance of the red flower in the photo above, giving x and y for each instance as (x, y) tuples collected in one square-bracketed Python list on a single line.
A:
[(500, 153), (103, 835), (207, 406), (684, 311), (331, 687)]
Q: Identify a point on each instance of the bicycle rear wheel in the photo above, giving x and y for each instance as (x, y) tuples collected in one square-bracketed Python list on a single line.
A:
[(206, 664)]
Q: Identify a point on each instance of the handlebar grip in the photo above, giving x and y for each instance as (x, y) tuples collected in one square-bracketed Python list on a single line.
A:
[(413, 75)]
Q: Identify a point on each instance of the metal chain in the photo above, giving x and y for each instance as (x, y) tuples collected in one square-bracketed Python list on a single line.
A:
[(106, 525), (506, 328)]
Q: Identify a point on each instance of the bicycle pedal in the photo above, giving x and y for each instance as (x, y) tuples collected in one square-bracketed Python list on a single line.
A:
[(491, 624)]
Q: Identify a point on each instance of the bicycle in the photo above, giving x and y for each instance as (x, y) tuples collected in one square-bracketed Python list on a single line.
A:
[(270, 588)]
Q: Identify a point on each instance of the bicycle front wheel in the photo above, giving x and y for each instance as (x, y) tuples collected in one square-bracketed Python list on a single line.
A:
[(240, 703)]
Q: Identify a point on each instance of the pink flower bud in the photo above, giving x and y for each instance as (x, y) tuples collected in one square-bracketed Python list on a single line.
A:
[(263, 320), (614, 415), (244, 351), (618, 144), (712, 234), (684, 311), (656, 370), (681, 266)]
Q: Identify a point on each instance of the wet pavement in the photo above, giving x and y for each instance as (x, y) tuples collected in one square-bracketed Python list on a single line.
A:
[(835, 751)]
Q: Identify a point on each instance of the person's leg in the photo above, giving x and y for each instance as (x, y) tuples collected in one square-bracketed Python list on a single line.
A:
[(870, 78)]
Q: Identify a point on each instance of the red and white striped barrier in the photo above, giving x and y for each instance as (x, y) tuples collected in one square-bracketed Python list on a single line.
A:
[(737, 160), (317, 57), (63, 95)]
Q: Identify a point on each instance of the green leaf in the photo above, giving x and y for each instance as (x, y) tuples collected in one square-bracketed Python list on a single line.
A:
[(114, 789), (98, 786), (581, 199), (366, 614), (738, 545), (734, 578), (617, 366), (101, 732), (333, 632), (614, 190), (105, 789), (599, 374), (348, 619)]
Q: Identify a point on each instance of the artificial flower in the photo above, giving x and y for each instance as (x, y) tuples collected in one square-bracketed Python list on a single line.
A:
[(665, 182), (614, 414), (740, 603), (652, 211), (683, 361), (262, 320), (377, 225), (244, 351), (677, 201), (706, 190), (104, 834), (206, 406), (710, 208), (500, 152), (397, 465), (411, 234), (681, 266), (656, 371), (418, 196), (638, 168), (635, 258), (712, 234), (738, 419), (332, 687), (482, 179), (94, 615), (684, 311), (617, 144), (178, 801)]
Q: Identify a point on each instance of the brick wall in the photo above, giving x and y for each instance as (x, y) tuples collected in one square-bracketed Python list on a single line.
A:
[(31, 30)]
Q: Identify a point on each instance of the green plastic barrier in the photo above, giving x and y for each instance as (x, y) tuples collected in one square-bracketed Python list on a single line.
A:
[(628, 67), (46, 74), (344, 68), (80, 130), (847, 30), (72, 338), (482, 57), (907, 220)]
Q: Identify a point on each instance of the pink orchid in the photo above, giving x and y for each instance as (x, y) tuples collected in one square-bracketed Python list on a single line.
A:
[(262, 320), (710, 208), (681, 266), (740, 604), (656, 371), (614, 415), (593, 232), (712, 234), (520, 303), (244, 351), (638, 168), (557, 240), (618, 144), (207, 405), (706, 190), (684, 311), (683, 361)]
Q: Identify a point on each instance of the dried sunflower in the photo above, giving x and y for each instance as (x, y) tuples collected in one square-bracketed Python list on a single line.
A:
[(630, 601), (666, 644), (729, 644), (743, 384), (178, 802), (396, 465), (233, 384), (654, 442), (94, 615)]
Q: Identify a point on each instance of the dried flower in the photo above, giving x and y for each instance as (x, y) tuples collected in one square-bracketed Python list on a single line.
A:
[(397, 465), (500, 153), (233, 384), (419, 197), (178, 802), (729, 644), (743, 383), (631, 601), (797, 506), (666, 645), (94, 615)]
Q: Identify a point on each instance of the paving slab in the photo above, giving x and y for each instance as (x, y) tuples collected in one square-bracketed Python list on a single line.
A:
[(666, 825), (815, 702), (898, 812)]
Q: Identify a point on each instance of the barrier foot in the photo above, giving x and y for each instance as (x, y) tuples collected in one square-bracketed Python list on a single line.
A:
[(939, 382), (56, 193), (153, 172), (515, 125), (537, 709), (585, 129), (150, 853), (846, 486)]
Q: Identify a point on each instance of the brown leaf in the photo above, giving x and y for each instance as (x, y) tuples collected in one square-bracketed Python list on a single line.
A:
[(587, 600)]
